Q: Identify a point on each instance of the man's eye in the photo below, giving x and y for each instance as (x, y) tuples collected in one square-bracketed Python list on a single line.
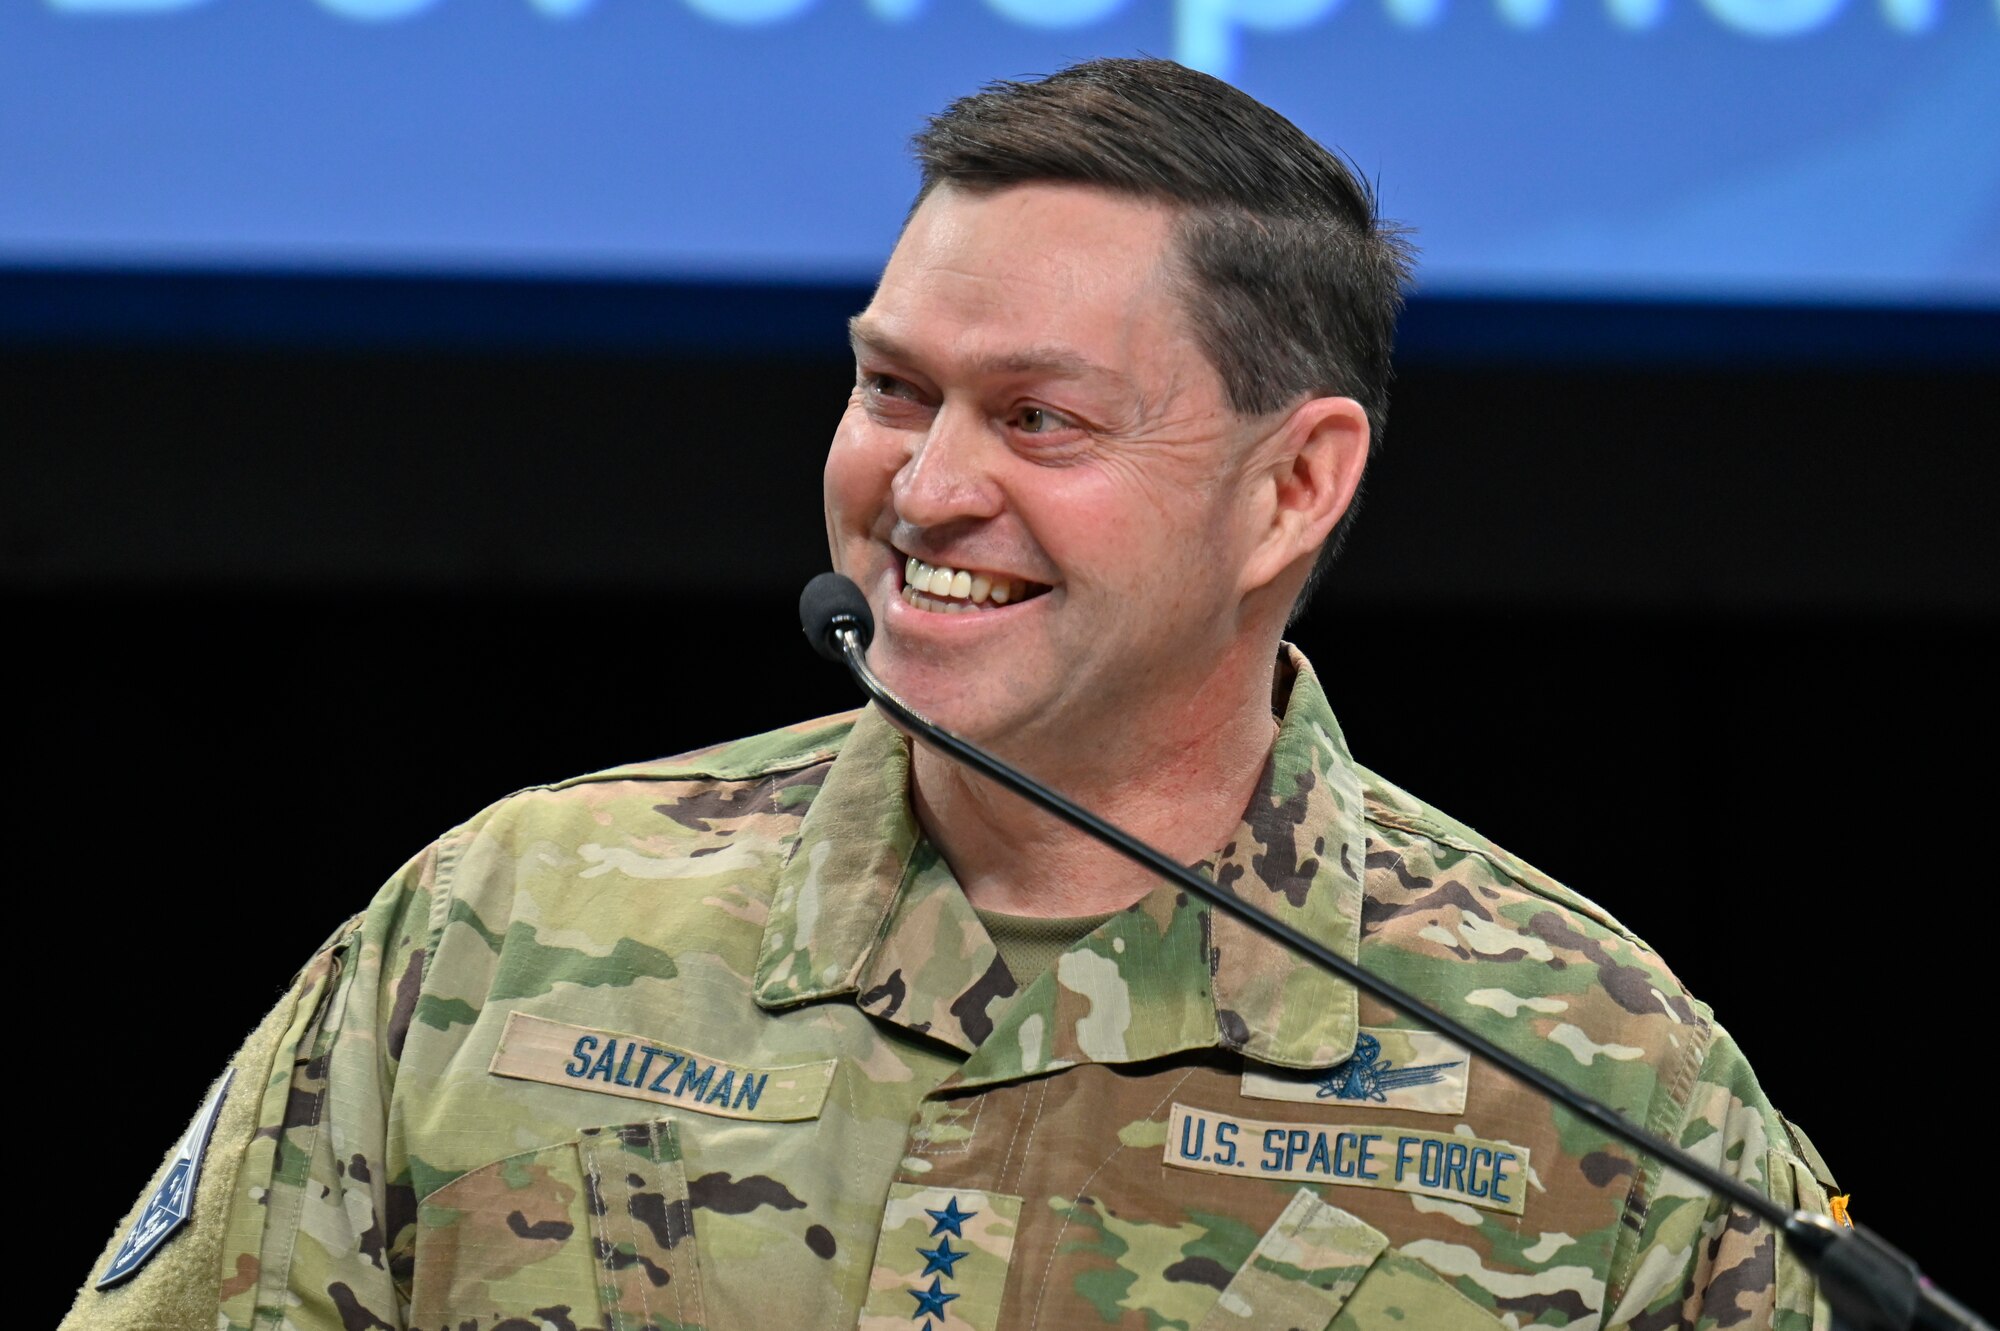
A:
[(1037, 420)]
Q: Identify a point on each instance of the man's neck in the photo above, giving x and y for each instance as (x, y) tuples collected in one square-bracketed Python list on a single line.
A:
[(1180, 782)]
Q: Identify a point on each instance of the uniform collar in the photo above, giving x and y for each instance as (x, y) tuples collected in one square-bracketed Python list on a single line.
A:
[(865, 907)]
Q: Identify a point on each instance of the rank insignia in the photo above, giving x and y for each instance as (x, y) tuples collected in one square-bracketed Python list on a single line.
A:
[(941, 1264), (173, 1201)]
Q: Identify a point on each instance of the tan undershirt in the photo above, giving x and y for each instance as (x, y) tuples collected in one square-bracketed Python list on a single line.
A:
[(1030, 944)]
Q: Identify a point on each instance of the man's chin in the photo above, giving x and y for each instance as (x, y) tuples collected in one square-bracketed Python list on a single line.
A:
[(949, 696), (940, 696)]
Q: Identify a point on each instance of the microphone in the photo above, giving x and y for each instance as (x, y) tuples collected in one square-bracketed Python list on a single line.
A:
[(1869, 1285), (829, 604)]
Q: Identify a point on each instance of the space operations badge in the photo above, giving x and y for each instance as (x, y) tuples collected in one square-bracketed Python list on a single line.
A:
[(173, 1201), (1389, 1069), (1492, 1175)]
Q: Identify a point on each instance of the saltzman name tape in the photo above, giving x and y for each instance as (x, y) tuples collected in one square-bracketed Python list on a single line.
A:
[(641, 1068)]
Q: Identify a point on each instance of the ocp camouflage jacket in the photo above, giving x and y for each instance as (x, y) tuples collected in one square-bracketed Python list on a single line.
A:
[(718, 1042)]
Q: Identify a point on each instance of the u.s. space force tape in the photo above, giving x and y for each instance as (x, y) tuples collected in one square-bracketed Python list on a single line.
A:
[(1492, 1175)]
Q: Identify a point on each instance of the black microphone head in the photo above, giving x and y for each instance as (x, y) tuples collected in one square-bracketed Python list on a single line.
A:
[(829, 603)]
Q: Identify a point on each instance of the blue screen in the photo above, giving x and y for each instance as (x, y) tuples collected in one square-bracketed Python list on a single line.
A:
[(1841, 150)]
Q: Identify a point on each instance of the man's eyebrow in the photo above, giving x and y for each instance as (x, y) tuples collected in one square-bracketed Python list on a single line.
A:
[(861, 333), (1056, 360)]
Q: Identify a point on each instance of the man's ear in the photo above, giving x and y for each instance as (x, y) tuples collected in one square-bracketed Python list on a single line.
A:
[(1305, 478)]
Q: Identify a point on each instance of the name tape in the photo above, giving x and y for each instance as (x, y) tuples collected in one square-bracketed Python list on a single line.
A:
[(1491, 1175), (639, 1068)]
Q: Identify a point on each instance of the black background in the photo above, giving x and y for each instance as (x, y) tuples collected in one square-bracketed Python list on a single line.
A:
[(1703, 635)]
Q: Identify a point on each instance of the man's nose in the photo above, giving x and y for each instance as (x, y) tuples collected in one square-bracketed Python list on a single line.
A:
[(948, 475)]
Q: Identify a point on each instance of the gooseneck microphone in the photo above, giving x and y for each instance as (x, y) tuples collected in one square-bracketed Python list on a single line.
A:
[(1869, 1285)]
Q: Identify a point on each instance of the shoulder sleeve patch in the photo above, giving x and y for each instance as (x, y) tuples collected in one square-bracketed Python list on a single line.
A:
[(173, 1201)]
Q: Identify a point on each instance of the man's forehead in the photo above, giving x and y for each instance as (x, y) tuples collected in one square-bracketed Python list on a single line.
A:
[(1053, 279), (1033, 245), (870, 332)]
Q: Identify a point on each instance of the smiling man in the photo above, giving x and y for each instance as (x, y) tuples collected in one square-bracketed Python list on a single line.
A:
[(1077, 549), (815, 1030)]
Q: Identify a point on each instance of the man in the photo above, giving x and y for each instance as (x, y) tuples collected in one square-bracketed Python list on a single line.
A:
[(815, 1029)]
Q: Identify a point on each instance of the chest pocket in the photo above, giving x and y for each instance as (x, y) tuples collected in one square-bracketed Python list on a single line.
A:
[(1319, 1267), (598, 1231)]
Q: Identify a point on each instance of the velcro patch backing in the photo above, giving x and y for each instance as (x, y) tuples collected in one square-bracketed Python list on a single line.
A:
[(173, 1201)]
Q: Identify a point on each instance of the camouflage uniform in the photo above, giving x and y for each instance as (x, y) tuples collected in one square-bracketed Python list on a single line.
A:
[(718, 1042)]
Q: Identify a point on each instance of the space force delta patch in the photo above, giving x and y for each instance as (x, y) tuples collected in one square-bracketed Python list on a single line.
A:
[(641, 1068), (1491, 1175), (173, 1201)]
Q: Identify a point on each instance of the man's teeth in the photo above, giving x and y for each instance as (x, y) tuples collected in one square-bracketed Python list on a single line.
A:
[(955, 589)]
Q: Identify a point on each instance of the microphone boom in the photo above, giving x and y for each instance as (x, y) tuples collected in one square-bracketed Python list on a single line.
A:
[(1869, 1284)]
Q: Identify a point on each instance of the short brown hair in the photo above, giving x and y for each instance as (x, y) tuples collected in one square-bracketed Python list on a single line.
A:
[(1298, 281)]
